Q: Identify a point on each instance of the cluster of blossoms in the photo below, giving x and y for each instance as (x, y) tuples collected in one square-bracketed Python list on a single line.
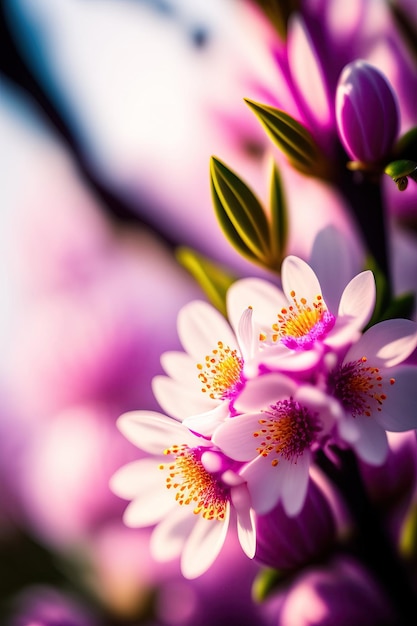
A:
[(251, 402)]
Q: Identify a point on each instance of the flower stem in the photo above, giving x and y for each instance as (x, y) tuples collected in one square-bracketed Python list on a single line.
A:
[(371, 543)]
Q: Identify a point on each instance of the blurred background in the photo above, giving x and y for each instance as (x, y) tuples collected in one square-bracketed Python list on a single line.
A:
[(110, 111)]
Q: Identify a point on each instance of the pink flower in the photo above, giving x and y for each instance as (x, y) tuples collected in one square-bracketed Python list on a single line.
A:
[(187, 488), (280, 424), (376, 392)]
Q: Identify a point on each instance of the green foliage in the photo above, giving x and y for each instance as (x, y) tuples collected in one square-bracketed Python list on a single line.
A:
[(212, 278), (400, 170), (266, 582), (387, 306), (293, 139), (244, 220)]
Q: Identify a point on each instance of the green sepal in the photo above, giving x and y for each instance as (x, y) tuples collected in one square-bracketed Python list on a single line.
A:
[(295, 141), (400, 170), (213, 279), (240, 213), (408, 534), (266, 582), (279, 218)]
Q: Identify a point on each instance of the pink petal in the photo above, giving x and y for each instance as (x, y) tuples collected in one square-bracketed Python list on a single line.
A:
[(134, 478), (372, 445), (264, 298), (152, 506), (386, 344), (245, 519), (261, 392), (399, 410), (265, 483), (295, 484), (179, 366), (235, 437), (206, 423)]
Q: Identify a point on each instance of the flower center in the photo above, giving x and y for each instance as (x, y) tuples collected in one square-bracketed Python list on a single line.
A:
[(289, 429), (194, 484), (302, 323), (360, 388), (221, 373)]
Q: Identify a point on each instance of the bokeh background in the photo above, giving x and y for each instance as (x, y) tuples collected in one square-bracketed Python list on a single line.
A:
[(110, 111)]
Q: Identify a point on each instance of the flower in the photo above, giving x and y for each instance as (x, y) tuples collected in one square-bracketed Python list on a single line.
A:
[(298, 318), (367, 112), (205, 380), (375, 391), (202, 489), (280, 424)]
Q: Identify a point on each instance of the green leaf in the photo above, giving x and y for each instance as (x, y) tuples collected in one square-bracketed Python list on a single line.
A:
[(240, 213), (293, 139), (406, 146), (408, 534), (279, 218), (383, 296), (400, 171), (401, 306), (212, 278), (266, 582)]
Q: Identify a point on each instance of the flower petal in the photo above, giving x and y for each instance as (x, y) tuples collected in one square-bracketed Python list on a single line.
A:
[(152, 506), (295, 483), (358, 299), (180, 401), (297, 276), (206, 423), (263, 391), (200, 327), (134, 478), (203, 545), (264, 298), (399, 410), (245, 519), (385, 344), (235, 437), (154, 432), (372, 445), (265, 483), (179, 366), (169, 537)]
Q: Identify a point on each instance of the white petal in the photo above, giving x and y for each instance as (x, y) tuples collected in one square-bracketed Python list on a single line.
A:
[(372, 445), (150, 507), (206, 423), (261, 392), (132, 479), (245, 519), (343, 333), (169, 537), (179, 366), (399, 409), (285, 360), (294, 487), (265, 483), (181, 401), (203, 545), (298, 276), (349, 429), (235, 437), (385, 344), (246, 335), (358, 299), (200, 327), (154, 432), (264, 298), (335, 261)]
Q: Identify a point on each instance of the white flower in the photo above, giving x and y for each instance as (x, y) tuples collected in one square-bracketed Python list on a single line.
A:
[(204, 380), (297, 317), (375, 392), (188, 488), (281, 423)]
